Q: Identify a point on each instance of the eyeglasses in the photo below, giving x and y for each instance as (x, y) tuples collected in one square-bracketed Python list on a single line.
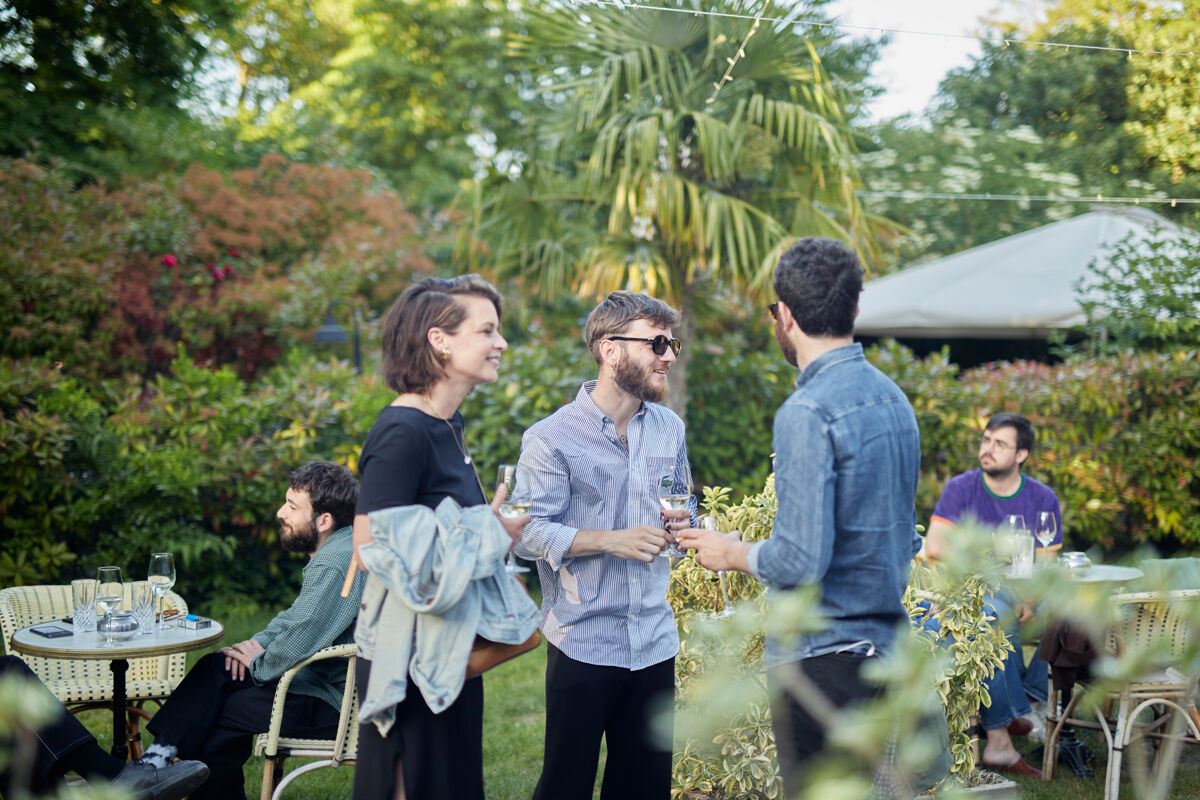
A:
[(999, 445), (773, 310), (658, 344)]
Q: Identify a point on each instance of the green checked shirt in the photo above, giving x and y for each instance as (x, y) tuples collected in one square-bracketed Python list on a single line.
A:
[(319, 617)]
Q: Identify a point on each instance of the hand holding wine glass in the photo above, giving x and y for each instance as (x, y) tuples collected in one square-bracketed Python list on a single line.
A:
[(511, 507), (675, 509), (709, 523), (162, 577)]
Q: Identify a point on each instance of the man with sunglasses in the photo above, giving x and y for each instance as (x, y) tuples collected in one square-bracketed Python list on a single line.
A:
[(986, 495), (593, 472), (847, 456)]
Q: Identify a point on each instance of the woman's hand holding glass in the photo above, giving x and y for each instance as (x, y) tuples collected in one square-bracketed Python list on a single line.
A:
[(513, 513)]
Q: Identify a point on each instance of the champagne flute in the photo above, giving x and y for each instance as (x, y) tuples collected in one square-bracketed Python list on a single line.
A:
[(506, 475), (709, 523), (1045, 529), (162, 577), (670, 500), (108, 596)]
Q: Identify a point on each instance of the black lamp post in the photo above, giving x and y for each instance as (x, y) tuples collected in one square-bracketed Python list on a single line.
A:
[(332, 333)]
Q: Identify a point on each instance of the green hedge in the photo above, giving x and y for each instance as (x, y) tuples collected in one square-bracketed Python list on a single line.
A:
[(196, 461)]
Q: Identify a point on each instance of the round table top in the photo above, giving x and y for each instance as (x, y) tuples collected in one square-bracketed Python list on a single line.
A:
[(1097, 573), (91, 645), (1104, 573)]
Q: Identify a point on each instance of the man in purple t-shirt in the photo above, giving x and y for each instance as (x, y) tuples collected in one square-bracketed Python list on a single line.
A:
[(987, 495)]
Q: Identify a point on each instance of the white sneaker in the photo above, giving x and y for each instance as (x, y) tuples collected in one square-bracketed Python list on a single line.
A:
[(1038, 718)]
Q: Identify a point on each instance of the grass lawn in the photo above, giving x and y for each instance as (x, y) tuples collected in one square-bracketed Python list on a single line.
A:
[(514, 726)]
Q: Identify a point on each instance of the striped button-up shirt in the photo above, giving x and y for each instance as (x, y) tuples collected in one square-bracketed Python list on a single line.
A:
[(600, 609)]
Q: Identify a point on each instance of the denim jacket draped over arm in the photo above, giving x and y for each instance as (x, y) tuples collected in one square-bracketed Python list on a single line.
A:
[(437, 579)]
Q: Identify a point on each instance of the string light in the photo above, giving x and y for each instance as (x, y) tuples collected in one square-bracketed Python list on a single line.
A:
[(903, 31), (904, 195), (741, 52)]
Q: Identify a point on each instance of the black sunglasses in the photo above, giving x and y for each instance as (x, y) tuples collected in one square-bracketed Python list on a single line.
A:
[(773, 310), (658, 344)]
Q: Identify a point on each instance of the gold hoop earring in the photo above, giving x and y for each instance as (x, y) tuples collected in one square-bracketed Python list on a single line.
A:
[(445, 354)]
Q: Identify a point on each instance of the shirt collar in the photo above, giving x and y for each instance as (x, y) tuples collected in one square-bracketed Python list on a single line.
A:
[(850, 352), (585, 403)]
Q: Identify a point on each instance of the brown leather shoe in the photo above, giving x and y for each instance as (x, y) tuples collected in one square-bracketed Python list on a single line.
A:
[(1020, 727), (1019, 768)]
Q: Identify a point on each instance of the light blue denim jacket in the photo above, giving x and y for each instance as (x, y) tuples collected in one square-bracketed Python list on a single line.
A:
[(437, 579), (847, 458)]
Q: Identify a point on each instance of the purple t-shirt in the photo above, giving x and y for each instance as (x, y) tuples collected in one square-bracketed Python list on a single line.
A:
[(966, 495)]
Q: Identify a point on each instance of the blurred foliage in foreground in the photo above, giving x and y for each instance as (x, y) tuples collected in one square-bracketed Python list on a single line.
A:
[(887, 747)]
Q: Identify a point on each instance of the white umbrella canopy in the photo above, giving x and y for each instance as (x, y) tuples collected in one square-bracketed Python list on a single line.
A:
[(1019, 287)]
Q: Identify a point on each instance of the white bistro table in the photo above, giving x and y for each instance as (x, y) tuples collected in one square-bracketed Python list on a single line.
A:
[(171, 640)]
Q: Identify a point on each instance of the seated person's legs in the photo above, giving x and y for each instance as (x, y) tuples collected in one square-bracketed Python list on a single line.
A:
[(212, 716), (63, 745)]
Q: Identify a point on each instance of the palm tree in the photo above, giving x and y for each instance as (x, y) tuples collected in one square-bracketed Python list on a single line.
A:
[(673, 152)]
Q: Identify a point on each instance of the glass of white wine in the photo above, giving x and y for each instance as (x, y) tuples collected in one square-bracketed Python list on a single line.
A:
[(109, 593), (1045, 529), (162, 577), (672, 501), (709, 523), (512, 507)]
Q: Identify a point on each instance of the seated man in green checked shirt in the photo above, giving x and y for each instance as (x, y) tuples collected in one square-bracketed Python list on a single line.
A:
[(226, 698)]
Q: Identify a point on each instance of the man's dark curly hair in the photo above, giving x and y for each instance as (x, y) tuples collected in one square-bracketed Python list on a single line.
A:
[(819, 280), (331, 488)]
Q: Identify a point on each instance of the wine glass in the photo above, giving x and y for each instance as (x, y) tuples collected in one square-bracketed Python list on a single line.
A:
[(709, 523), (162, 577), (1045, 529), (506, 475), (1014, 523), (108, 595), (1019, 545), (670, 500)]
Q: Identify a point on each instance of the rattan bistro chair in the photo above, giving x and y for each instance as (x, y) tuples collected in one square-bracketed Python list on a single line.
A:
[(83, 685), (1160, 620), (342, 749)]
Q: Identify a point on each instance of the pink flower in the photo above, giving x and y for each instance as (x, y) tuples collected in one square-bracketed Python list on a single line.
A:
[(217, 274), (228, 271), (169, 261), (233, 253)]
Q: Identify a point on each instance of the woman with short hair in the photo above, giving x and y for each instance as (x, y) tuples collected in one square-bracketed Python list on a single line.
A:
[(441, 339)]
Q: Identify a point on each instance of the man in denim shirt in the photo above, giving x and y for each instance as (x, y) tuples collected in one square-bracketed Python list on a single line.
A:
[(847, 458)]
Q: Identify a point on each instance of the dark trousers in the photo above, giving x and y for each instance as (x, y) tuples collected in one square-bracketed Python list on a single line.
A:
[(212, 717), (442, 754), (798, 736), (54, 742), (585, 702)]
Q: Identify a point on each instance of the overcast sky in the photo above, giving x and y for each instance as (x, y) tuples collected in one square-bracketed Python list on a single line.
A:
[(910, 68)]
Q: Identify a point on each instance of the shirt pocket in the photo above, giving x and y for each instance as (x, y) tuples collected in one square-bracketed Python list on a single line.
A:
[(661, 474)]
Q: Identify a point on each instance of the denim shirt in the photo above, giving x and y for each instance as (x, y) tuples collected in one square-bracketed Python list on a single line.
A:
[(437, 579), (847, 457)]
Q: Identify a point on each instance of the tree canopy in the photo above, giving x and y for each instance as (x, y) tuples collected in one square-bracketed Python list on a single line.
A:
[(1030, 120), (671, 152), (73, 74)]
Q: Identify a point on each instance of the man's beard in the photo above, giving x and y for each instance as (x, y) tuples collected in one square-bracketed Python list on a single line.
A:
[(636, 381), (302, 540), (786, 346), (997, 472)]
